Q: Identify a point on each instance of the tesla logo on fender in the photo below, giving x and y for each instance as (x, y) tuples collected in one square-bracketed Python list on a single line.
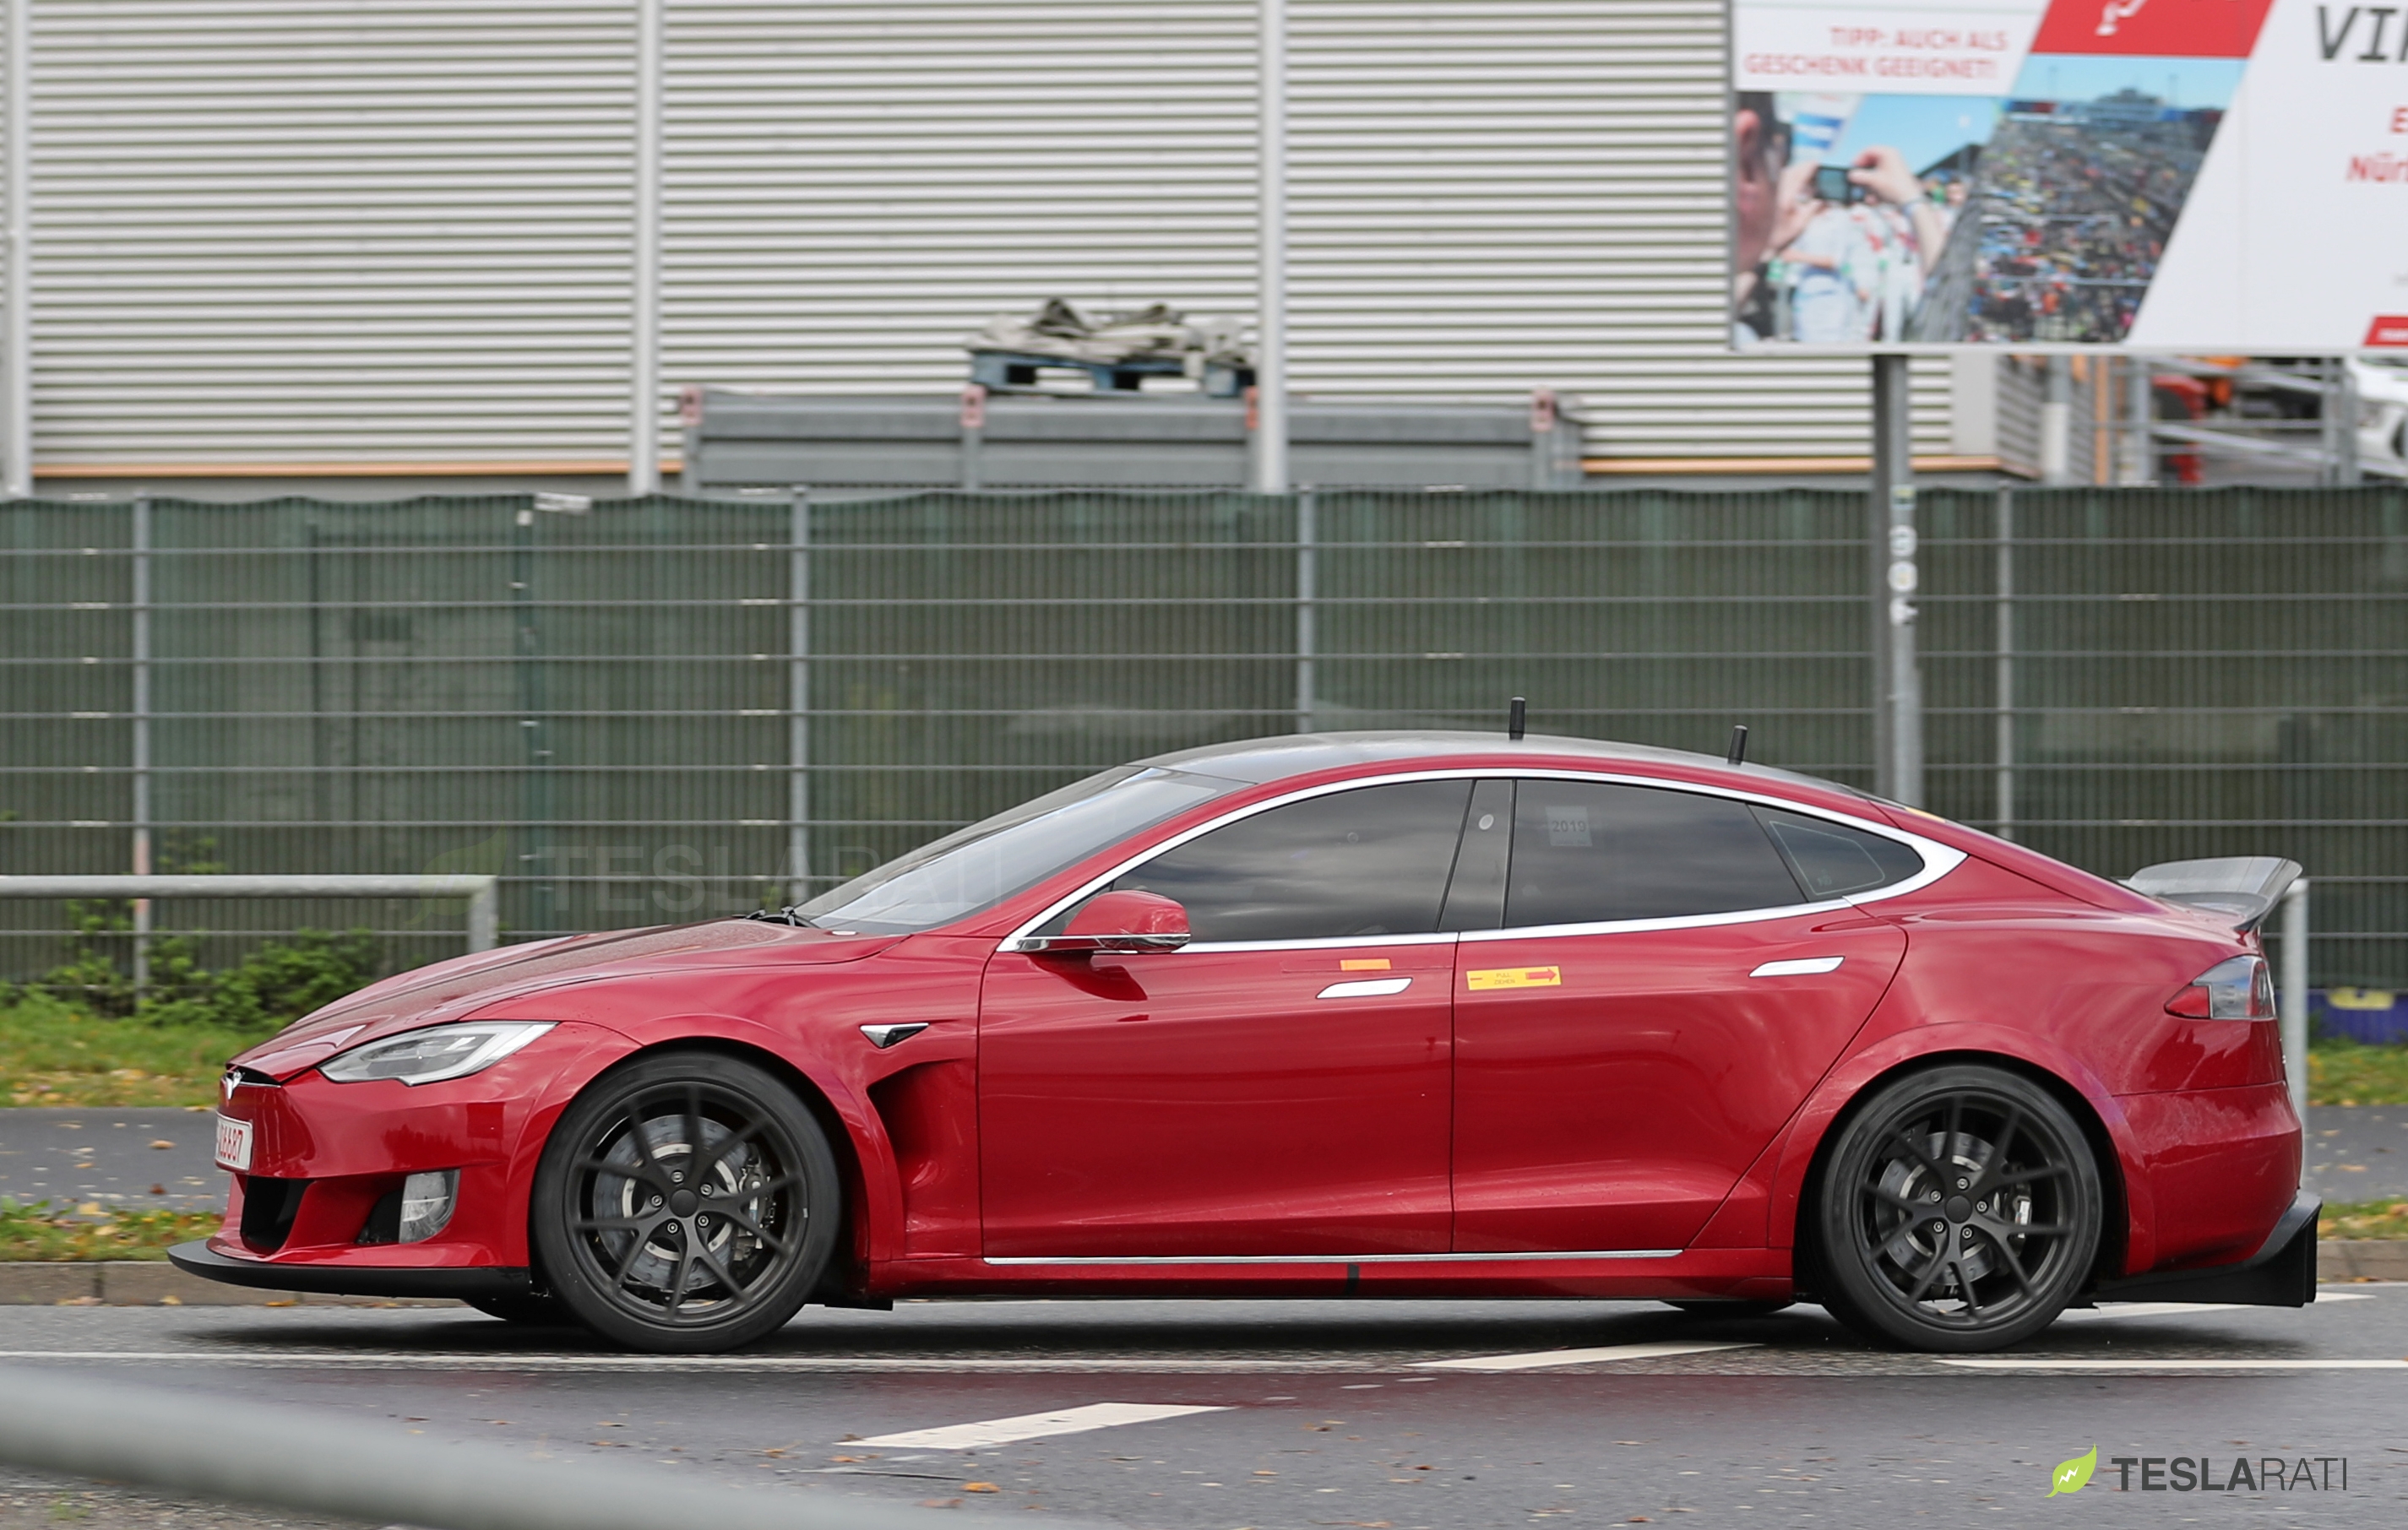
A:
[(1515, 976)]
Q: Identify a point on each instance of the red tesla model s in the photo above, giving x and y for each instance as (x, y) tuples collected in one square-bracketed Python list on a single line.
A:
[(1370, 1014)]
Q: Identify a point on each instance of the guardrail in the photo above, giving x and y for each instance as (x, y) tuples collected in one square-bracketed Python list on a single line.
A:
[(483, 892), (218, 1447)]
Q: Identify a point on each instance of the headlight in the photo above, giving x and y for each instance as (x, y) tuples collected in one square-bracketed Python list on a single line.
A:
[(436, 1053)]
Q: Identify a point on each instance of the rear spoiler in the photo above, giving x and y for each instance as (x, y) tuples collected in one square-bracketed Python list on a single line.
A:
[(2242, 888)]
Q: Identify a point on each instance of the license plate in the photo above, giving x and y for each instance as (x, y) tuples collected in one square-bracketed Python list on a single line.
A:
[(234, 1145)]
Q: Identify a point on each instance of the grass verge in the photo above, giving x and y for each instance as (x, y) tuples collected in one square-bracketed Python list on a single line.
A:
[(53, 1053), (2364, 1219), (2349, 1072), (43, 1232)]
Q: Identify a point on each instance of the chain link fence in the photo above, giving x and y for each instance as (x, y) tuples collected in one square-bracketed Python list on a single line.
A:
[(670, 707)]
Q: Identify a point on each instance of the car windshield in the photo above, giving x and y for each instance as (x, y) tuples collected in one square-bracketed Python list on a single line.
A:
[(977, 867)]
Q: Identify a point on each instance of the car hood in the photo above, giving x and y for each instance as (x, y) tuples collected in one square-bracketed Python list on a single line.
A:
[(452, 990)]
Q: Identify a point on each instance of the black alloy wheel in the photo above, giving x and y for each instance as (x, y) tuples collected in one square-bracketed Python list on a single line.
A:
[(1959, 1212), (687, 1202)]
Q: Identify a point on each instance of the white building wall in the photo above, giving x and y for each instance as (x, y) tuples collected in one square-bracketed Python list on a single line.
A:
[(273, 232)]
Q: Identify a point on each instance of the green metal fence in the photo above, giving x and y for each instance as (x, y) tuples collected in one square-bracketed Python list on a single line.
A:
[(668, 707)]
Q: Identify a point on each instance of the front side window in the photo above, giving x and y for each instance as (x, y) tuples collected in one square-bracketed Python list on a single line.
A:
[(1368, 862), (1588, 852)]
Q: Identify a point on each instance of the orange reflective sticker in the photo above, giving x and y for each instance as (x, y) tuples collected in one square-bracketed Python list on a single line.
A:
[(1514, 977), (1363, 964)]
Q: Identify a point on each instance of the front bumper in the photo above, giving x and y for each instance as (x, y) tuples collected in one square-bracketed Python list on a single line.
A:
[(349, 1279)]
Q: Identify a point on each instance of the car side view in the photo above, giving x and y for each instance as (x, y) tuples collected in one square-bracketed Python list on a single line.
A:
[(1409, 1014)]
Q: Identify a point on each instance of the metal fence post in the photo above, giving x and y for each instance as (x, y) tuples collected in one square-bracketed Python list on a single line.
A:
[(139, 644), (2006, 664), (1308, 572), (798, 699), (1897, 732), (2293, 1006)]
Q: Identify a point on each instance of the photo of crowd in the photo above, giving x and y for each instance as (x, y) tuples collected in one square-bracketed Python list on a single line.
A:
[(2039, 217)]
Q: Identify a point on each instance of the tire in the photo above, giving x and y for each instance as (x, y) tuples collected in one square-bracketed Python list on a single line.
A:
[(1958, 1211), (1731, 1309), (530, 1311), (653, 1262)]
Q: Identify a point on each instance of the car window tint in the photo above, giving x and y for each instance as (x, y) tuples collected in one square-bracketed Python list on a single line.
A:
[(1584, 852), (1372, 861), (1832, 860)]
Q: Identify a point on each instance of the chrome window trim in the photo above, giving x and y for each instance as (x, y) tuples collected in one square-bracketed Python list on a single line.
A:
[(1090, 1260), (1938, 861)]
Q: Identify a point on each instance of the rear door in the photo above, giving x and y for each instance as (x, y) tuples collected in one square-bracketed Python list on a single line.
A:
[(1658, 995)]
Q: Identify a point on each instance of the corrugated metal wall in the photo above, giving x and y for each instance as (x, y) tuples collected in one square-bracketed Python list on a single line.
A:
[(270, 232)]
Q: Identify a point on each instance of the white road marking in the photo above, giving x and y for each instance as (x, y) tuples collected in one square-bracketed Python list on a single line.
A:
[(1070, 1421), (1575, 1357), (2042, 1363)]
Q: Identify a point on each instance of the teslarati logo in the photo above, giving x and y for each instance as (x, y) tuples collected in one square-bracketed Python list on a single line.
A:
[(2071, 1476)]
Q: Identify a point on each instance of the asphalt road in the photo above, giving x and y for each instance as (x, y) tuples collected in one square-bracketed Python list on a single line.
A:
[(2354, 1154), (1335, 1413)]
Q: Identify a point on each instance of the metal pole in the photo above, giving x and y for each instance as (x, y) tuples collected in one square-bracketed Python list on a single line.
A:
[(2057, 424), (644, 376), (1308, 572), (2139, 400), (798, 700), (2006, 664), (140, 653), (485, 916), (2341, 402), (2293, 1007), (1899, 702), (1271, 321), (17, 249)]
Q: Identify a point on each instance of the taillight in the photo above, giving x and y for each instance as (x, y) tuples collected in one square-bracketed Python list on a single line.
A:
[(2238, 988)]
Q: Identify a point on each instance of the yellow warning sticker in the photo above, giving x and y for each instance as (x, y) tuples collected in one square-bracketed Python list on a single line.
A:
[(1514, 977), (1363, 964)]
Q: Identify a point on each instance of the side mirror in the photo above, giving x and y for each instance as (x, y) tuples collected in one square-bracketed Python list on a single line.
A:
[(1117, 922)]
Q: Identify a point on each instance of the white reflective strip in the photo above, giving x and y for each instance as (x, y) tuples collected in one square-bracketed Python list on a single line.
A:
[(1070, 1421), (1799, 966), (1545, 1358), (2041, 1363), (1365, 988)]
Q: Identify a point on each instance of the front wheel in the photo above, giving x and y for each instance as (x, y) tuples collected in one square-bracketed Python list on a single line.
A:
[(686, 1203), (1959, 1212)]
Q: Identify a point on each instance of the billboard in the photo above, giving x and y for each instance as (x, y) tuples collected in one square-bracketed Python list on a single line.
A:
[(2168, 175)]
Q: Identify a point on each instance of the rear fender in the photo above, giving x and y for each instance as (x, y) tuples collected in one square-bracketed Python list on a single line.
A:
[(1970, 1043)]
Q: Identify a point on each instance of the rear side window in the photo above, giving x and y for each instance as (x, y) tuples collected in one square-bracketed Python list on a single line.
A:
[(1832, 861), (1583, 853), (1372, 861)]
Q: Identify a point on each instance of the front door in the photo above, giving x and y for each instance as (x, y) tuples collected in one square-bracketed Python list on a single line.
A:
[(1660, 997), (1279, 1088)]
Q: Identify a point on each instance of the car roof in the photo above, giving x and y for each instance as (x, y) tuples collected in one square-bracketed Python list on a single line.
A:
[(1263, 760)]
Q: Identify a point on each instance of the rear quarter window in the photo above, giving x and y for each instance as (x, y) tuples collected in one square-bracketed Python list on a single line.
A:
[(1833, 860)]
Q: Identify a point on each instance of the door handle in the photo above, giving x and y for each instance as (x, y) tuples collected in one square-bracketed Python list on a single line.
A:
[(1365, 988), (1799, 966)]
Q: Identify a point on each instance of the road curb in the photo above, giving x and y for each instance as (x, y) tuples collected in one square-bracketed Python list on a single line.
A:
[(142, 1282), (2363, 1259)]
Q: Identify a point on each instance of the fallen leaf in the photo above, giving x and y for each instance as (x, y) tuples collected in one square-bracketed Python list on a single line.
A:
[(171, 1299), (936, 1503), (158, 1190), (162, 1142), (1266, 1474), (980, 1487), (89, 1208), (831, 1458)]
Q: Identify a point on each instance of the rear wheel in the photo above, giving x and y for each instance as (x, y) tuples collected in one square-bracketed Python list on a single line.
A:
[(1959, 1212), (686, 1203)]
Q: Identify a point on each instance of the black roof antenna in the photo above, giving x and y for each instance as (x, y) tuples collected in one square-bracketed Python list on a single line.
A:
[(1514, 718), (1738, 755)]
